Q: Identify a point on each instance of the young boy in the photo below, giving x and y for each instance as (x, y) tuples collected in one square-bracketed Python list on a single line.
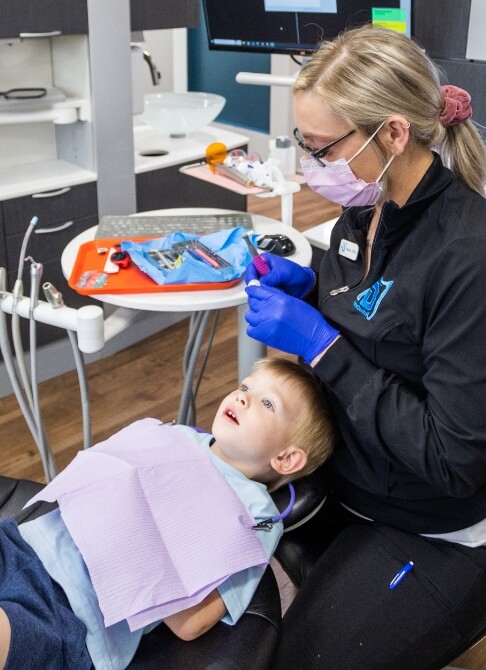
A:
[(274, 427)]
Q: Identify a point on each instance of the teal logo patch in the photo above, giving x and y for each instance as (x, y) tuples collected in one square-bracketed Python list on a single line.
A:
[(368, 302)]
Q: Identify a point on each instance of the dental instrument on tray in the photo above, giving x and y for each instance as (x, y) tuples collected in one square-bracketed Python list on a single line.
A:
[(231, 173), (246, 174), (252, 171), (200, 251)]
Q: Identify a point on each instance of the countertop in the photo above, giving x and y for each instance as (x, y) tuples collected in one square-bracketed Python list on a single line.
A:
[(180, 149), (49, 175)]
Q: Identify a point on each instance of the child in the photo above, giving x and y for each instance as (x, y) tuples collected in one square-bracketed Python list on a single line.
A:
[(271, 429)]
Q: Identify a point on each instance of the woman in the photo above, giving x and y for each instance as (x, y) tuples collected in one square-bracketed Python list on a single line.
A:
[(398, 340)]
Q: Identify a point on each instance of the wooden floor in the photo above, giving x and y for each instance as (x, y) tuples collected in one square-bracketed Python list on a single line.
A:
[(145, 380)]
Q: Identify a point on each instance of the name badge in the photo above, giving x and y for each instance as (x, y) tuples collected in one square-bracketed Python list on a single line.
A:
[(349, 249)]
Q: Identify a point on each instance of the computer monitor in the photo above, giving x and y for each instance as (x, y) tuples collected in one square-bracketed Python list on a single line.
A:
[(295, 26)]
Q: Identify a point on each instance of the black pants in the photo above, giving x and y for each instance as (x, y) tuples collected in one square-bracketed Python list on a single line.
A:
[(345, 617)]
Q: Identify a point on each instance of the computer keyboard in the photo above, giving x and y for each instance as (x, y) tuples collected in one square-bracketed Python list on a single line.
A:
[(160, 226)]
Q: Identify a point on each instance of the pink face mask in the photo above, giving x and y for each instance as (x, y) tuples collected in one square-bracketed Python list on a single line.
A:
[(338, 183)]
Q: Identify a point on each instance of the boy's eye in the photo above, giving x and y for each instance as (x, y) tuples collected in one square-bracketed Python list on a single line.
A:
[(267, 404), (244, 388)]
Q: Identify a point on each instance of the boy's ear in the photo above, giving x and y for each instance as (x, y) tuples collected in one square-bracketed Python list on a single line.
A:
[(289, 461)]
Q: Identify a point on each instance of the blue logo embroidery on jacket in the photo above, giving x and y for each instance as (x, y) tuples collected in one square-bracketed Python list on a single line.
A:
[(368, 301)]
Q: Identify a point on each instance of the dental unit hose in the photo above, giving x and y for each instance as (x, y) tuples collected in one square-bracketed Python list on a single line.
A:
[(47, 457), (17, 293), (55, 299), (198, 325), (8, 360), (23, 250), (87, 322)]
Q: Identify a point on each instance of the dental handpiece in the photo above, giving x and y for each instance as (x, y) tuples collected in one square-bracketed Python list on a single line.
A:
[(258, 261)]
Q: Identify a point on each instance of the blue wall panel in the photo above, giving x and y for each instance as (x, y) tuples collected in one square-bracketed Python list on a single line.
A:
[(215, 72)]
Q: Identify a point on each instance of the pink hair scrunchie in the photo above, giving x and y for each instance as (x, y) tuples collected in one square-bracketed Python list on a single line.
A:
[(457, 106)]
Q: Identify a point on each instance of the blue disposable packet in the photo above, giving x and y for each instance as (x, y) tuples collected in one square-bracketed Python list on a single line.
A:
[(228, 244)]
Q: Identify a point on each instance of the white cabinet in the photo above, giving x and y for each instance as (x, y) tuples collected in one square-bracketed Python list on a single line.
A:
[(55, 128)]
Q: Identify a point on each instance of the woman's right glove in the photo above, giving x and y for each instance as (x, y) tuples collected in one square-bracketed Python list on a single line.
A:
[(284, 274), (286, 323)]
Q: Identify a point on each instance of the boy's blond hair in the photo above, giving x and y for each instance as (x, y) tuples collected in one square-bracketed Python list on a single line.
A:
[(313, 431)]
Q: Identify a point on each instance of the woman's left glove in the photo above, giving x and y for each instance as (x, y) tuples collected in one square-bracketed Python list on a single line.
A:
[(286, 323), (284, 274)]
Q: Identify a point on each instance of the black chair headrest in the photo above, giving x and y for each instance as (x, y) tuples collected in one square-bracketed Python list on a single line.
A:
[(310, 494)]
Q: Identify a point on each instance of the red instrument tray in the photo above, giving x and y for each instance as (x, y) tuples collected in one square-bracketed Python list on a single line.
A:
[(126, 280)]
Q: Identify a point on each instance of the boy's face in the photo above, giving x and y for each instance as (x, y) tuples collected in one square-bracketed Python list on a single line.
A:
[(254, 423)]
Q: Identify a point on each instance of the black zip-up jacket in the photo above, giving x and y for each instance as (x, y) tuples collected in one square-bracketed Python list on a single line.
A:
[(407, 379)]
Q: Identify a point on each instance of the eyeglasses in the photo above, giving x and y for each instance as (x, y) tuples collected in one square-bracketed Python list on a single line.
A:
[(319, 153), (23, 93)]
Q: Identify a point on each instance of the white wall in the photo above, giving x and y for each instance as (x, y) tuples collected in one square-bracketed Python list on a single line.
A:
[(169, 50)]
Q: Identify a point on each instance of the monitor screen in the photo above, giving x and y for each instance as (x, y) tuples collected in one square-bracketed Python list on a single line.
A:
[(295, 26)]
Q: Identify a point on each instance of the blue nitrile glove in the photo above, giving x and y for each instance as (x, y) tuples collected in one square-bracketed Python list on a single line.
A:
[(287, 323), (284, 274)]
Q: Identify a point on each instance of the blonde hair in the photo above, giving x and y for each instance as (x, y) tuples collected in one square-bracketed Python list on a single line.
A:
[(368, 74), (313, 431)]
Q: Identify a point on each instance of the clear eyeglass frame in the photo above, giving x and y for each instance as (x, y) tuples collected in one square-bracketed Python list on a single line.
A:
[(317, 154)]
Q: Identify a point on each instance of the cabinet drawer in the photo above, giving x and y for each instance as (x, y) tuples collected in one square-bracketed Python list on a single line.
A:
[(44, 247), (52, 207), (168, 187)]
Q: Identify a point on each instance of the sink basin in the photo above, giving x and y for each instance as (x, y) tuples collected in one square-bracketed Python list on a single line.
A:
[(177, 114)]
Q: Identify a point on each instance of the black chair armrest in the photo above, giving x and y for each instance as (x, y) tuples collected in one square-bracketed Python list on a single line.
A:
[(14, 493)]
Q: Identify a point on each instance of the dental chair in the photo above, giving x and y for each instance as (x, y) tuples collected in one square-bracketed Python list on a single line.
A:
[(250, 645)]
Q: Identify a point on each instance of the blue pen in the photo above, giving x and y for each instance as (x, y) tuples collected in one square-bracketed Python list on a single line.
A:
[(401, 574)]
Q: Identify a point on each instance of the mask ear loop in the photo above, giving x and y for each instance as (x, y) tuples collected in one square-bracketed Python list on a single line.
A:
[(368, 141), (385, 168)]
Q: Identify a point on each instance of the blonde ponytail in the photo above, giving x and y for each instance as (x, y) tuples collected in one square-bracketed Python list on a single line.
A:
[(368, 74), (463, 151)]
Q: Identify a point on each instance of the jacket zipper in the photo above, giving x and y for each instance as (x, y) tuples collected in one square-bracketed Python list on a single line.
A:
[(345, 289)]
